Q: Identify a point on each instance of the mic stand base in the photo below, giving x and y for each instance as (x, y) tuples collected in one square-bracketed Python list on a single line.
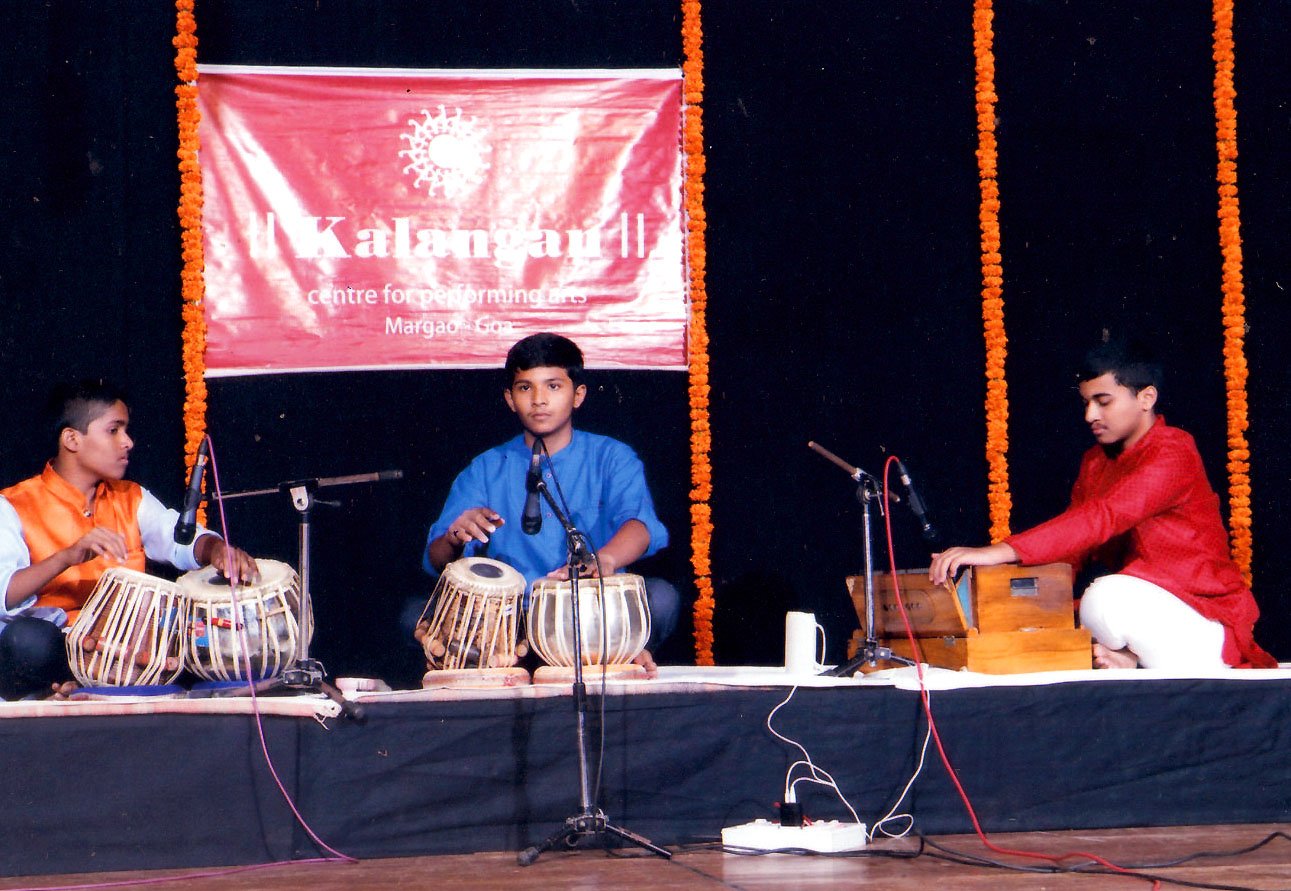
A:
[(303, 676), (306, 674), (870, 653), (590, 824), (590, 828)]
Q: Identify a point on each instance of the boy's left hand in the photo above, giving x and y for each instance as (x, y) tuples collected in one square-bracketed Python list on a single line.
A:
[(606, 564)]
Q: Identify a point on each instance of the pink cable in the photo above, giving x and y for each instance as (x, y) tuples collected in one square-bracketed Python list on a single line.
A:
[(207, 874), (337, 856)]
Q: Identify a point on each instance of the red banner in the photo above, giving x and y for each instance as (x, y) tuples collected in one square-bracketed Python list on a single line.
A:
[(359, 219)]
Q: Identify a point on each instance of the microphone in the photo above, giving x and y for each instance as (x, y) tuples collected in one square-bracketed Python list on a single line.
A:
[(854, 472), (186, 527), (531, 520), (917, 506)]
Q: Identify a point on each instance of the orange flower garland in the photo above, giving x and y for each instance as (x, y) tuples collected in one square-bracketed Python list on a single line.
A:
[(997, 390), (193, 287), (1230, 243), (701, 471)]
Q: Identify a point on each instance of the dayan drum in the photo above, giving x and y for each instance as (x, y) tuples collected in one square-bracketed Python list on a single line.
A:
[(472, 620), (128, 632), (267, 617), (613, 612)]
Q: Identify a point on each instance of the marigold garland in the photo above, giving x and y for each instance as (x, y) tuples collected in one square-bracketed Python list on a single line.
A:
[(1234, 307), (193, 283), (997, 391), (701, 517)]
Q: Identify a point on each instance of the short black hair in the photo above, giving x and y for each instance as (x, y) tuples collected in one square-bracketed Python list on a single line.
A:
[(77, 405), (1131, 362), (544, 350)]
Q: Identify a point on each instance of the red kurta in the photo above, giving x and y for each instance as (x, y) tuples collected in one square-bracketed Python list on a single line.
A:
[(1151, 513)]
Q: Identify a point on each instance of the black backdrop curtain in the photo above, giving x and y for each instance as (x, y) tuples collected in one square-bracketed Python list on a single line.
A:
[(842, 261)]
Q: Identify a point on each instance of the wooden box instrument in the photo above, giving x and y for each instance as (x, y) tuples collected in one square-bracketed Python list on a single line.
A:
[(998, 619)]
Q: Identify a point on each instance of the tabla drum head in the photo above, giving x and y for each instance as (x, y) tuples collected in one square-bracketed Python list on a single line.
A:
[(484, 574), (210, 583)]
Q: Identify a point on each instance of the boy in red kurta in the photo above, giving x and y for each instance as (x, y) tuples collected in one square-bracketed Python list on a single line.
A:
[(1142, 507)]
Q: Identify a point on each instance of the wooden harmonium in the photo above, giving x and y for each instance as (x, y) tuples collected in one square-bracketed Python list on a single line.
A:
[(997, 620)]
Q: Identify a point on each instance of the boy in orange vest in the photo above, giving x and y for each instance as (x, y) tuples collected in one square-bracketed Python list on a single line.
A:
[(60, 529)]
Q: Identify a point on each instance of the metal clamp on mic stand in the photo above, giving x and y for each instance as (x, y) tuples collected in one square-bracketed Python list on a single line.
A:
[(304, 673), (869, 490), (590, 823)]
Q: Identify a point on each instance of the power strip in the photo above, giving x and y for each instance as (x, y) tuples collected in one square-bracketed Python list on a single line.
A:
[(823, 837)]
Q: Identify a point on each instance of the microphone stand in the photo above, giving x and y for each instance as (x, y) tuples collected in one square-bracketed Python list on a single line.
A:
[(306, 674), (869, 490), (590, 823)]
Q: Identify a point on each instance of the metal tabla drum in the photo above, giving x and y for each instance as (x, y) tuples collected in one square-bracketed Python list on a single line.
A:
[(472, 620), (128, 632), (267, 617), (613, 612)]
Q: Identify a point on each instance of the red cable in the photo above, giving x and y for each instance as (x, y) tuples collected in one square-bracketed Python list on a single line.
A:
[(932, 726)]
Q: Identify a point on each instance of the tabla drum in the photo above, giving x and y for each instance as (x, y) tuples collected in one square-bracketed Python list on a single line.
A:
[(613, 612), (128, 632), (472, 620), (267, 616)]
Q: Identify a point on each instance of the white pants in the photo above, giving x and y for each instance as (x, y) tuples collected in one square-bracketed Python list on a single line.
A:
[(1122, 612)]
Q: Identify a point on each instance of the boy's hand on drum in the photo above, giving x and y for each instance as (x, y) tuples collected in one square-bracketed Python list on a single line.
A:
[(95, 543), (604, 564), (476, 524), (234, 564)]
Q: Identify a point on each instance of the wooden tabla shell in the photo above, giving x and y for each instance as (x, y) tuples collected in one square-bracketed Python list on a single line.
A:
[(613, 612), (564, 674), (268, 614), (128, 633), (474, 616), (475, 677)]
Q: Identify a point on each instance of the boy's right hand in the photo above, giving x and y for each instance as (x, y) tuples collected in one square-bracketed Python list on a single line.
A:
[(477, 524), (98, 541), (946, 565)]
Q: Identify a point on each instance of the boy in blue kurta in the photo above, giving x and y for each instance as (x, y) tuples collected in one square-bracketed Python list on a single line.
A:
[(600, 479)]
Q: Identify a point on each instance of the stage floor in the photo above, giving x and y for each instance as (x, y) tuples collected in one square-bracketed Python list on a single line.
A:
[(696, 868), (183, 783)]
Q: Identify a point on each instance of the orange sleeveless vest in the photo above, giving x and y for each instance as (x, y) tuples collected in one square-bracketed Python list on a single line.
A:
[(54, 515)]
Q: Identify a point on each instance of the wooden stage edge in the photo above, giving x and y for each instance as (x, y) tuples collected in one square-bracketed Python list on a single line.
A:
[(184, 784)]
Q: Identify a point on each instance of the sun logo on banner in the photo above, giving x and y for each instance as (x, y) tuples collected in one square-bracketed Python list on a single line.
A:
[(446, 152)]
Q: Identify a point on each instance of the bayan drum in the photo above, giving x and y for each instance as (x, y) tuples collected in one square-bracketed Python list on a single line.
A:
[(474, 617), (128, 632), (613, 612), (267, 617)]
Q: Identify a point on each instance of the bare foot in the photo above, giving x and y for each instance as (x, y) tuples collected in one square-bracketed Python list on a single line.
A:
[(63, 690), (1105, 658), (646, 661)]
